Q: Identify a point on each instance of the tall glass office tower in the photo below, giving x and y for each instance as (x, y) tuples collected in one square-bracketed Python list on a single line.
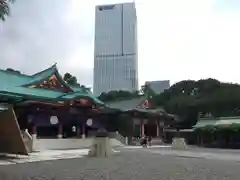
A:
[(115, 49)]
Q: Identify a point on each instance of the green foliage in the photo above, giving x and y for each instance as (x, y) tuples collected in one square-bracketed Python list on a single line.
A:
[(13, 70), (126, 95), (118, 95), (232, 128), (5, 8), (235, 127), (209, 129), (147, 91), (71, 80), (188, 99)]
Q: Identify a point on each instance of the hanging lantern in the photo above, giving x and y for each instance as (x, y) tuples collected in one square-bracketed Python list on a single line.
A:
[(74, 129), (89, 122), (54, 120)]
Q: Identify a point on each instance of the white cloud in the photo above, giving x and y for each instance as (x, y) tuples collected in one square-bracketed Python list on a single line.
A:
[(187, 39)]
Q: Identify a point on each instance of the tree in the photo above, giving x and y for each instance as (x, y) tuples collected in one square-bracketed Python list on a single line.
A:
[(71, 80), (189, 98), (118, 95), (13, 70), (147, 90), (5, 8)]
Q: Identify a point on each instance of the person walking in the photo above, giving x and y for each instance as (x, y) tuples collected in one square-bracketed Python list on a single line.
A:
[(143, 141), (150, 140)]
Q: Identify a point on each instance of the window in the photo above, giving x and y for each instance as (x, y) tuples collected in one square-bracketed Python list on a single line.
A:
[(108, 7)]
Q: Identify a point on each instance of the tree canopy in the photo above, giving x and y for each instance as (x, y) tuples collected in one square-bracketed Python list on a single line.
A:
[(147, 90), (13, 70), (126, 95), (5, 8), (118, 95), (70, 79), (190, 99)]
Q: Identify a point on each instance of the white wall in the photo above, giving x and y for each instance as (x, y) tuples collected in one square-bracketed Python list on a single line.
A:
[(44, 144)]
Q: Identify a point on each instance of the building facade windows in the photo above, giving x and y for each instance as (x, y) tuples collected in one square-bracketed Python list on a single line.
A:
[(115, 59)]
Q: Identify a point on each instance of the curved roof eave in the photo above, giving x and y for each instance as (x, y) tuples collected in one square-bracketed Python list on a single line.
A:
[(46, 74), (75, 95)]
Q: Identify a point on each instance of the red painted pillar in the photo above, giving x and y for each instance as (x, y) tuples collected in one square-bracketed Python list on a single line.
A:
[(78, 130), (34, 132), (34, 129), (60, 131)]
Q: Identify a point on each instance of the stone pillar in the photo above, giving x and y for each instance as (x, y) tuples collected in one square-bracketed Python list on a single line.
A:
[(83, 130), (60, 131), (157, 124), (34, 138), (142, 129)]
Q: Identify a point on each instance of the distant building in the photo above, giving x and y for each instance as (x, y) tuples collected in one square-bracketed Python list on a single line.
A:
[(159, 86), (115, 49)]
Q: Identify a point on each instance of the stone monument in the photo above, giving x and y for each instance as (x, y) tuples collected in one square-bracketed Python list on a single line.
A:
[(179, 142), (101, 145)]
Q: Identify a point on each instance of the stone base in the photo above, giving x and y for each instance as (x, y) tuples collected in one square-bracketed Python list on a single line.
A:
[(34, 141), (179, 143), (59, 136), (101, 147), (34, 136)]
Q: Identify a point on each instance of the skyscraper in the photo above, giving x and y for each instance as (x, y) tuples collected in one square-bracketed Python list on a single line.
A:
[(115, 49)]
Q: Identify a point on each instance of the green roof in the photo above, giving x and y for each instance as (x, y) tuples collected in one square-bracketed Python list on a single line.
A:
[(80, 94), (15, 84), (41, 93), (149, 111), (132, 105), (205, 123), (10, 79), (217, 121), (126, 105)]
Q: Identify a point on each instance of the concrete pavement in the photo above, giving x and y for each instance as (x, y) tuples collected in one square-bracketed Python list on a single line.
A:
[(130, 164)]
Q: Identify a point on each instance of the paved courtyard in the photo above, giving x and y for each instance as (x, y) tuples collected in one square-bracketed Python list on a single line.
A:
[(142, 164)]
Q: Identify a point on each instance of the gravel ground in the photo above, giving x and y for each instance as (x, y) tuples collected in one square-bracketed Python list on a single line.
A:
[(127, 165)]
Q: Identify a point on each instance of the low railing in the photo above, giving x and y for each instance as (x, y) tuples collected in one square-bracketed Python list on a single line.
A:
[(28, 140), (121, 138)]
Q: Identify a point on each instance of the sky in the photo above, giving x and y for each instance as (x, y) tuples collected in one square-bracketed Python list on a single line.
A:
[(177, 40)]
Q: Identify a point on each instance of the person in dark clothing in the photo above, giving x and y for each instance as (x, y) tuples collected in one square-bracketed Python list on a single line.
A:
[(144, 142), (149, 140)]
